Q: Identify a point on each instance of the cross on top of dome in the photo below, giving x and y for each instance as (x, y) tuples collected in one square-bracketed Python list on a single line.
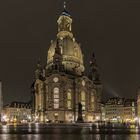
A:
[(65, 12), (64, 5)]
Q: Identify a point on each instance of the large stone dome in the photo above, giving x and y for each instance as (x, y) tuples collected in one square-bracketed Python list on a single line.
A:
[(72, 57), (71, 53)]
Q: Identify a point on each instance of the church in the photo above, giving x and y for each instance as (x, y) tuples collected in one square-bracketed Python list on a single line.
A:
[(62, 83)]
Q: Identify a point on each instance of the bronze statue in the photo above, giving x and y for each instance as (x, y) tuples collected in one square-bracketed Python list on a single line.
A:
[(80, 117)]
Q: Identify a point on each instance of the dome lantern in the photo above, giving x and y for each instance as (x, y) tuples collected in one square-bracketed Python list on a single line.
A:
[(64, 23)]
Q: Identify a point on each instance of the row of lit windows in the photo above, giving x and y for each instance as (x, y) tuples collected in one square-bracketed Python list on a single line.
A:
[(113, 112), (69, 99), (112, 109), (83, 100), (56, 98)]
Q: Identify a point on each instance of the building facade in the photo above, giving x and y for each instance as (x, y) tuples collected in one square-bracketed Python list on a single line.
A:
[(114, 109), (62, 84), (138, 103), (17, 112), (120, 110)]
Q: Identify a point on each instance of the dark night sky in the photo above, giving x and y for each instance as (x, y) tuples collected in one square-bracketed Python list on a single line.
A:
[(110, 28)]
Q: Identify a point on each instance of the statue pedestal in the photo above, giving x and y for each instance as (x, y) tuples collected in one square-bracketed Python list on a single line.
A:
[(80, 117)]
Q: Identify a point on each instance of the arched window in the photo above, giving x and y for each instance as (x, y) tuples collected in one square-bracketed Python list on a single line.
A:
[(56, 97), (37, 96), (69, 99), (92, 100), (83, 100), (36, 101), (47, 93), (75, 52)]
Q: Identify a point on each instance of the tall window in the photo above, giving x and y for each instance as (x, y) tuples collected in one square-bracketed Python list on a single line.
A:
[(75, 52), (83, 100), (36, 96), (92, 100), (47, 93), (40, 101), (56, 97), (69, 99), (36, 101), (39, 96)]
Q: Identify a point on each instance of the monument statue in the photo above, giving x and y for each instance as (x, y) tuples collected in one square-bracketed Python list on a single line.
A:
[(80, 117)]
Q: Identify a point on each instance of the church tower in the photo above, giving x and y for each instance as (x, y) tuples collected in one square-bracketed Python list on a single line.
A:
[(63, 87), (64, 23), (95, 77), (93, 70), (57, 58)]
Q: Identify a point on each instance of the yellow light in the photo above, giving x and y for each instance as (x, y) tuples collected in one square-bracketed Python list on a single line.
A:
[(5, 118), (97, 118)]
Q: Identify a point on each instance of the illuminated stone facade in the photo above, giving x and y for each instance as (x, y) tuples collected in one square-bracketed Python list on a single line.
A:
[(17, 112), (62, 83), (120, 110), (129, 110), (138, 103), (114, 109)]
